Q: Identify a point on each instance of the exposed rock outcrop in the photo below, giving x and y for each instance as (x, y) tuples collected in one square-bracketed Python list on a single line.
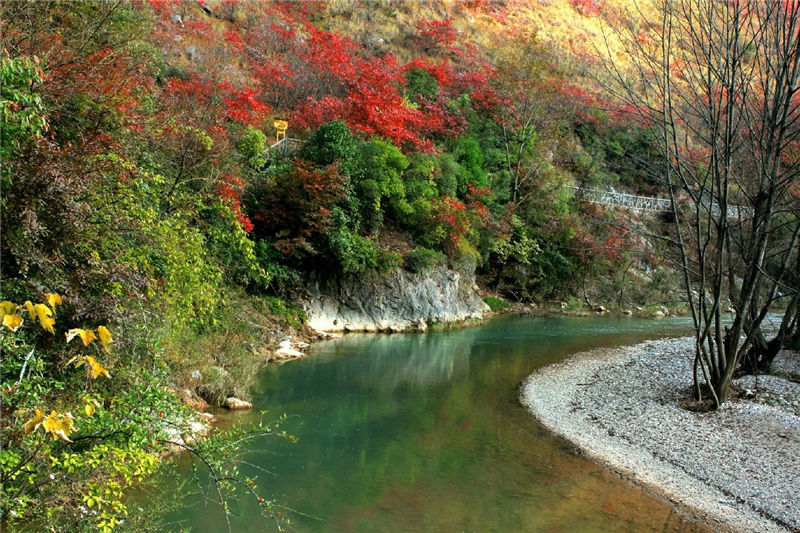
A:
[(394, 301)]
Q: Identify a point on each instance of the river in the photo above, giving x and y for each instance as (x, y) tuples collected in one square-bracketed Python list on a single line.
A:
[(424, 432)]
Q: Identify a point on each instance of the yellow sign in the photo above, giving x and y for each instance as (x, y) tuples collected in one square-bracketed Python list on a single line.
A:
[(281, 126)]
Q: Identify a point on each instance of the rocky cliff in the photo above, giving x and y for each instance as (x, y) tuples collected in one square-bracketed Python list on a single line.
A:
[(394, 301)]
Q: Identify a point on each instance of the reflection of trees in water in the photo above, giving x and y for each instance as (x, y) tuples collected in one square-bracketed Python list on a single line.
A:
[(423, 432), (410, 360)]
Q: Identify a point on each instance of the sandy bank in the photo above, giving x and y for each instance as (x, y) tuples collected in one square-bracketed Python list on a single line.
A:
[(737, 468)]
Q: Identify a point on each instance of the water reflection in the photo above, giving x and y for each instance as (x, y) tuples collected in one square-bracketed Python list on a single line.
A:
[(413, 360), (424, 433)]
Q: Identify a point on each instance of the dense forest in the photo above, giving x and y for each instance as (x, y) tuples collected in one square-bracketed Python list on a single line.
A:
[(153, 225)]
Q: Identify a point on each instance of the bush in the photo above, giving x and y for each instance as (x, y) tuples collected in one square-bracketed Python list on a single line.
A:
[(420, 82), (388, 260), (331, 143), (421, 260), (252, 145), (355, 254), (295, 205)]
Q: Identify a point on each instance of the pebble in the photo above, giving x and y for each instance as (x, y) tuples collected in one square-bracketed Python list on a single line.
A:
[(739, 464)]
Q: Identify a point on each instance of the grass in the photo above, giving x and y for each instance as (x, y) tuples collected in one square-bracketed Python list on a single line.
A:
[(496, 304), (223, 360)]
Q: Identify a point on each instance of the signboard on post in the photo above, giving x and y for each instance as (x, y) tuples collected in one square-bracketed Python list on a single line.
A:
[(281, 126)]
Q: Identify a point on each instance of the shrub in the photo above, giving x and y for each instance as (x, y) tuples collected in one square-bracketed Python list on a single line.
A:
[(420, 82), (421, 260), (331, 143), (252, 145), (388, 260), (355, 254), (294, 206)]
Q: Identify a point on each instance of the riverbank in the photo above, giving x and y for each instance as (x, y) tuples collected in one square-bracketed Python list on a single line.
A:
[(737, 469)]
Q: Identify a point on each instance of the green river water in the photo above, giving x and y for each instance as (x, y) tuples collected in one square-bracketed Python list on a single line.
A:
[(424, 432)]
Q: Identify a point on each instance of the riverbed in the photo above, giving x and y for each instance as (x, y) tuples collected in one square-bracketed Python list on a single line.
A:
[(424, 432)]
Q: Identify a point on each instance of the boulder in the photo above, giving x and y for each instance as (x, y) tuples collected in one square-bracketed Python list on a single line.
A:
[(191, 399), (286, 351), (235, 403)]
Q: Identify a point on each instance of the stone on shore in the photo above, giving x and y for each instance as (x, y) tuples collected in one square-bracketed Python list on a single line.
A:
[(235, 403)]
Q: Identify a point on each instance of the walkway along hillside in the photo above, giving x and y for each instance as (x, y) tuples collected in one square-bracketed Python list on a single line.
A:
[(648, 203)]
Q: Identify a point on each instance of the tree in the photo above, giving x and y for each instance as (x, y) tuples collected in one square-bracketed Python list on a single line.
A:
[(718, 85), (528, 78)]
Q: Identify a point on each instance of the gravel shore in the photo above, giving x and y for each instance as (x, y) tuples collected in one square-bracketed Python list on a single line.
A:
[(737, 468)]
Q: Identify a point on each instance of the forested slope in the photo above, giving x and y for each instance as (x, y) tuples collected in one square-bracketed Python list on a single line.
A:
[(144, 216)]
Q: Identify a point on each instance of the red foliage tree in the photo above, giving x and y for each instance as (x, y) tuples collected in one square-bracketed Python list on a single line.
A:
[(294, 209)]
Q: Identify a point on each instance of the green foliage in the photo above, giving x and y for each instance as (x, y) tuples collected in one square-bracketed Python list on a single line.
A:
[(331, 143), (294, 316), (420, 188), (450, 175), (252, 145), (355, 254), (378, 182), (100, 440), (269, 260), (516, 245), (496, 304), (22, 117), (170, 250), (229, 245), (421, 260), (469, 155), (616, 155), (420, 82)]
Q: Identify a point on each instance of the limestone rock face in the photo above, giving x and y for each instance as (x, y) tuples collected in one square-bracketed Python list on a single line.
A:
[(397, 300)]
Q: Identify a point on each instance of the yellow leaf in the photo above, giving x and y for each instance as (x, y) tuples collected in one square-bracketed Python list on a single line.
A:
[(53, 299), (105, 337), (43, 314), (95, 369), (12, 322), (7, 308), (59, 425), (89, 409), (34, 422), (86, 335), (47, 324)]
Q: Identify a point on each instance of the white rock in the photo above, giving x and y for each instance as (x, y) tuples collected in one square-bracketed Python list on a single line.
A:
[(235, 403)]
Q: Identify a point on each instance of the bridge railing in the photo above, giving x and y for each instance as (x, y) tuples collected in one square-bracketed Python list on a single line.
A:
[(650, 203), (622, 199), (285, 146)]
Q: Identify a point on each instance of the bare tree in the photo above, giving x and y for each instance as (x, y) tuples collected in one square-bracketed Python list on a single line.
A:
[(717, 85)]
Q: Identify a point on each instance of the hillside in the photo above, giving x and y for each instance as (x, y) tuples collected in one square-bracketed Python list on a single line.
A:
[(153, 243)]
